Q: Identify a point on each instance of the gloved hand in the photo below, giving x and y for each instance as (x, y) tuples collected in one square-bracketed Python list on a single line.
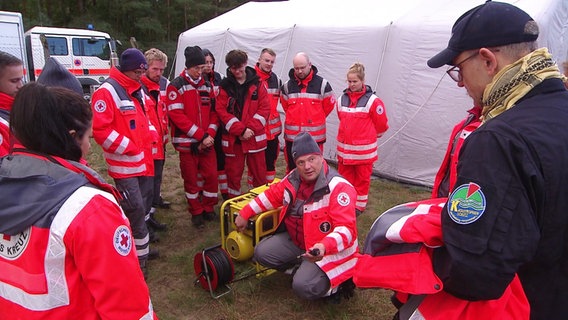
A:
[(195, 148)]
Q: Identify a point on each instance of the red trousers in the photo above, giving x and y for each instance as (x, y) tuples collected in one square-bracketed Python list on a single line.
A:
[(360, 177), (199, 198), (235, 166)]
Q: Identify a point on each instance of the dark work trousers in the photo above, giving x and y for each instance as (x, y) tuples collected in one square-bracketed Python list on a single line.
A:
[(158, 171), (271, 153), (137, 195), (279, 252)]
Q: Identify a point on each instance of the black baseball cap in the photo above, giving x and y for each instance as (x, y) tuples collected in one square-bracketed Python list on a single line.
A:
[(491, 24)]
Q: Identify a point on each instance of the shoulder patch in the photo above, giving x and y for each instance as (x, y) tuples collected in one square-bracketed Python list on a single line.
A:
[(11, 247), (466, 204), (172, 95), (380, 110), (122, 240), (100, 106), (343, 199)]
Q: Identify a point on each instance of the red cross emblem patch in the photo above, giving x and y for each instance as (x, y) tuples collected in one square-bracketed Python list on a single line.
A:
[(343, 199)]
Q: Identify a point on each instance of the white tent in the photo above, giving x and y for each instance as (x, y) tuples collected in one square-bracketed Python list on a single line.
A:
[(393, 39)]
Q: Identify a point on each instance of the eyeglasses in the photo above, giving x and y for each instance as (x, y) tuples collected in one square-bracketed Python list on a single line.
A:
[(139, 72), (455, 72)]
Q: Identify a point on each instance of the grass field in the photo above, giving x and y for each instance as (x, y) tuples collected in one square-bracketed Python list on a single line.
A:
[(171, 277)]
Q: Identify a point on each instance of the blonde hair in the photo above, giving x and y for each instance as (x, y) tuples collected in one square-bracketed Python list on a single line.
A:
[(155, 54), (358, 69)]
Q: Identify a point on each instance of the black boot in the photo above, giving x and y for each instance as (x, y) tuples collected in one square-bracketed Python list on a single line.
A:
[(163, 204), (144, 268), (152, 235), (209, 216), (155, 224), (153, 254)]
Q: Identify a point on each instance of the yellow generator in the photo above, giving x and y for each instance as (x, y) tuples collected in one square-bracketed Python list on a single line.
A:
[(213, 266)]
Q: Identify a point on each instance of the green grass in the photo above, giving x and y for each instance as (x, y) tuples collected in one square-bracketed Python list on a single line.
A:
[(171, 277)]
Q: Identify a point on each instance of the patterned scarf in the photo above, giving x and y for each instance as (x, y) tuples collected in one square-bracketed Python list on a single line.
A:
[(515, 80)]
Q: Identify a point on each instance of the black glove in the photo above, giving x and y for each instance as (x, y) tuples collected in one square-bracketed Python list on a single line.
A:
[(195, 148)]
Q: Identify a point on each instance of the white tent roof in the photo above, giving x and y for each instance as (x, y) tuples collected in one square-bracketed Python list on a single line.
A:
[(393, 39)]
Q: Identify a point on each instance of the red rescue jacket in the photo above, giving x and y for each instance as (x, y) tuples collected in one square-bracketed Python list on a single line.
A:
[(398, 255), (329, 218), (122, 127), (362, 119)]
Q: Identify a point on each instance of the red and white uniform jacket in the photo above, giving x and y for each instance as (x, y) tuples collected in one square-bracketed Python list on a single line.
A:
[(6, 102), (398, 255), (214, 79), (273, 85), (66, 252), (159, 116), (328, 218), (362, 119), (447, 173), (307, 103), (242, 106), (122, 127), (191, 108)]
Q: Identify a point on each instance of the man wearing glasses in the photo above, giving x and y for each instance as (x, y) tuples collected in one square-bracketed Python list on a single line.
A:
[(122, 127), (506, 215)]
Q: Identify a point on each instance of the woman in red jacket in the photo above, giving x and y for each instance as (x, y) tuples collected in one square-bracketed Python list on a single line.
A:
[(362, 119)]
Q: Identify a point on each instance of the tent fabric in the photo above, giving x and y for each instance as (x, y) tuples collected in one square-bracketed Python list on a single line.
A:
[(393, 39)]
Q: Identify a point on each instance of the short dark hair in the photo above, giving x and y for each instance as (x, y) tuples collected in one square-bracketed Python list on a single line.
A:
[(269, 51), (7, 59), (42, 117), (236, 58)]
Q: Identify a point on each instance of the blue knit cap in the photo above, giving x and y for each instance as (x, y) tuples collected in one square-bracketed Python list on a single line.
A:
[(132, 59)]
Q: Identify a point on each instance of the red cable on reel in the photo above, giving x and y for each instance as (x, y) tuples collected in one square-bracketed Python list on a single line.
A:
[(213, 268)]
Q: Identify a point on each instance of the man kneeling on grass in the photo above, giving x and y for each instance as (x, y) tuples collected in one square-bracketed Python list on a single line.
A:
[(317, 232)]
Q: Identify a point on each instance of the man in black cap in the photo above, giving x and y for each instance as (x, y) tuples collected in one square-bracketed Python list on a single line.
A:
[(318, 227), (507, 212), (191, 108), (122, 128)]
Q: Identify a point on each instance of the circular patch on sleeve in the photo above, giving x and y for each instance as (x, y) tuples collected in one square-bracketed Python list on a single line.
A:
[(11, 247), (380, 109), (343, 199), (122, 240), (100, 106), (466, 204), (172, 95), (325, 227)]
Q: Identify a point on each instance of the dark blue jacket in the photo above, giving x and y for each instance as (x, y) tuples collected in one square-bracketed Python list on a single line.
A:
[(508, 211)]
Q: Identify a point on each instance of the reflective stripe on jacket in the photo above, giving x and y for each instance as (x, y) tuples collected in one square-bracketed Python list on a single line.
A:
[(362, 118), (306, 103), (273, 85), (328, 218), (191, 108), (121, 126)]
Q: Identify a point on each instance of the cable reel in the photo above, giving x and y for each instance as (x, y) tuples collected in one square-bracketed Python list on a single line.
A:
[(214, 269)]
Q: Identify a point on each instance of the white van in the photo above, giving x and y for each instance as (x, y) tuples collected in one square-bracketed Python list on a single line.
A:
[(85, 53), (12, 37)]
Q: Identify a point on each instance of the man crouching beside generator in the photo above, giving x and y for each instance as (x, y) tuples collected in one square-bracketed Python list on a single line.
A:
[(317, 233)]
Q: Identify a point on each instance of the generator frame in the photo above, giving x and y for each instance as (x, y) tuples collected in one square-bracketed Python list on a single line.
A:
[(258, 226)]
